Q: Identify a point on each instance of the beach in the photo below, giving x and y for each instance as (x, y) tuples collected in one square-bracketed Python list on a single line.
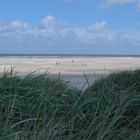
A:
[(75, 70)]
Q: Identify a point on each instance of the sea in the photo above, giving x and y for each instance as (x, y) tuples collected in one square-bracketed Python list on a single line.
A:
[(69, 55)]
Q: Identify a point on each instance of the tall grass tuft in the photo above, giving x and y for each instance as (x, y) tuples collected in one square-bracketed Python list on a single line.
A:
[(36, 107)]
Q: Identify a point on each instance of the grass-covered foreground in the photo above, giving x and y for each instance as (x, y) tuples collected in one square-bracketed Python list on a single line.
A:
[(38, 108)]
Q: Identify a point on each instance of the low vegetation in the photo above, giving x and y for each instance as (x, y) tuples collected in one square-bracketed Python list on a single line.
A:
[(35, 107)]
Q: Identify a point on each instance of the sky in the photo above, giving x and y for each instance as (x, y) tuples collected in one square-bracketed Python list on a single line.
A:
[(70, 27)]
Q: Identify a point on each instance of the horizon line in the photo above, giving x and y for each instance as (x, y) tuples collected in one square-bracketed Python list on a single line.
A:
[(42, 54)]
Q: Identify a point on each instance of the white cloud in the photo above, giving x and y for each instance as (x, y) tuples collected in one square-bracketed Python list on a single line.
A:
[(113, 2), (53, 23), (109, 3), (54, 35), (18, 25), (138, 6), (98, 27)]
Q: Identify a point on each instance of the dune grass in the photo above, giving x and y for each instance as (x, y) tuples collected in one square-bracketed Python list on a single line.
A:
[(35, 107)]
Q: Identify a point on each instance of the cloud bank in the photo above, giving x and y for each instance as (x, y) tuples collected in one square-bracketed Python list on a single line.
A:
[(55, 36)]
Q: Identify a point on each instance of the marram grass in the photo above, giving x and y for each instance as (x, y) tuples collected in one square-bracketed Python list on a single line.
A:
[(35, 107)]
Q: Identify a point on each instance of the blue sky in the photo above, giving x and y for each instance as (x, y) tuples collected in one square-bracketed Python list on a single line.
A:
[(70, 26)]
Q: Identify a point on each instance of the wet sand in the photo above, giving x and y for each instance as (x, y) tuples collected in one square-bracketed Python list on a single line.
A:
[(71, 69)]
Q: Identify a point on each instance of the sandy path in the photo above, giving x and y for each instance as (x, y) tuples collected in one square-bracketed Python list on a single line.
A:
[(71, 68)]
